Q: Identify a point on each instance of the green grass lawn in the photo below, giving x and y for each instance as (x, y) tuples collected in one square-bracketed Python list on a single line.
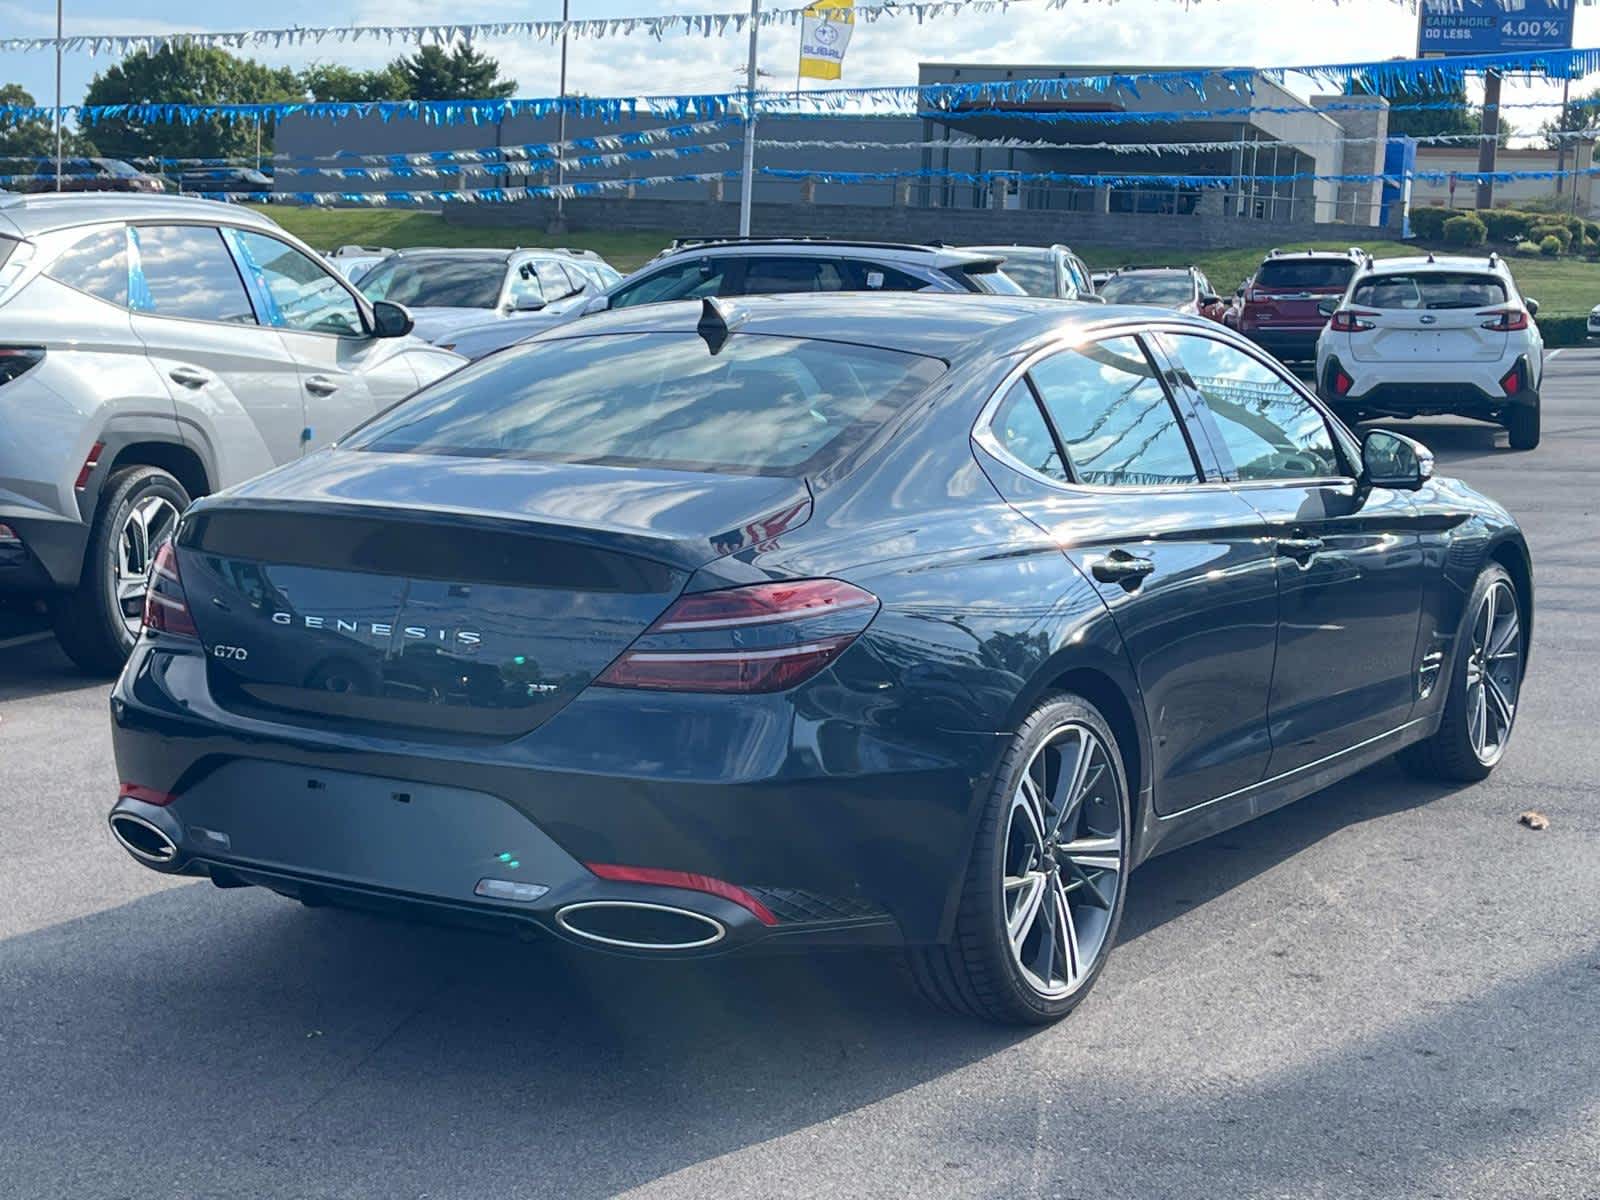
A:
[(1562, 286)]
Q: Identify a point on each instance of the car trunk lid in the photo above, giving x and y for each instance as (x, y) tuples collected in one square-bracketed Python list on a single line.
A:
[(477, 610), (1436, 335)]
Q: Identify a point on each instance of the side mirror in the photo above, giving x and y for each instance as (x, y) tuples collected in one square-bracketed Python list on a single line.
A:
[(1533, 306), (1238, 292), (1209, 299), (527, 305), (1091, 297), (598, 305), (1330, 305), (390, 320), (1392, 460)]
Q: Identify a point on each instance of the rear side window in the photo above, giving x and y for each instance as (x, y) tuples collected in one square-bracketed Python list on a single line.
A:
[(759, 406), (1019, 426), (1430, 289), (186, 271), (764, 276), (879, 277), (1279, 273), (1114, 417), (7, 245), (98, 265)]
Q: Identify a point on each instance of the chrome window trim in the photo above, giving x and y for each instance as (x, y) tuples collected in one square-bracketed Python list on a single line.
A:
[(983, 434)]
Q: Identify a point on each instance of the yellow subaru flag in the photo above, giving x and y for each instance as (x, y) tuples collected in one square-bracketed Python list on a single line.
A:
[(825, 29)]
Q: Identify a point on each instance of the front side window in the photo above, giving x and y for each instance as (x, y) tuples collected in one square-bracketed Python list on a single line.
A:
[(186, 271), (1270, 430), (759, 405), (1430, 289), (1113, 416), (439, 282), (683, 281), (553, 279), (98, 265), (298, 294)]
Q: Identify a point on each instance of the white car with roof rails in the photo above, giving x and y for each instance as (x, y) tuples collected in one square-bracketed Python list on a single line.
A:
[(1434, 335), (154, 349), (694, 268)]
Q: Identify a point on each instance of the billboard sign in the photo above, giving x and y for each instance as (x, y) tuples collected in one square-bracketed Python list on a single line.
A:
[(1493, 26)]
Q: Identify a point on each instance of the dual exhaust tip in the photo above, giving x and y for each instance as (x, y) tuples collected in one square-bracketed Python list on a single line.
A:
[(635, 925), (143, 839)]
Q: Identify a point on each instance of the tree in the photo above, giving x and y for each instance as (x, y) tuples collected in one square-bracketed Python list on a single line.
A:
[(22, 142), (1581, 115), (462, 74), (187, 75), (328, 81), (1429, 122)]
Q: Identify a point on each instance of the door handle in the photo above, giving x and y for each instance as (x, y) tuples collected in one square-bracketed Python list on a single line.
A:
[(321, 385), (189, 377), (1299, 549), (1121, 567)]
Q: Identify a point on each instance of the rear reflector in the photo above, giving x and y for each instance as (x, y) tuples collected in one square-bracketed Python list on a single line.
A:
[(166, 608), (89, 464), (688, 881), (135, 791), (1342, 383), (8, 534), (1512, 381), (763, 638)]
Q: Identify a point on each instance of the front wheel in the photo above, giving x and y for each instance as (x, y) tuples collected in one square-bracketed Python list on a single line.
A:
[(1042, 897), (1485, 686)]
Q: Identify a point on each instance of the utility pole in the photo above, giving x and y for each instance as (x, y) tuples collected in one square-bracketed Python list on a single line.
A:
[(1561, 141), (1491, 137), (58, 95), (747, 172), (559, 225)]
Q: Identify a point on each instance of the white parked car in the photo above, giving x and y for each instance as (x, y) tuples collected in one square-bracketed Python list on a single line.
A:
[(355, 261), (1424, 336), (1594, 321)]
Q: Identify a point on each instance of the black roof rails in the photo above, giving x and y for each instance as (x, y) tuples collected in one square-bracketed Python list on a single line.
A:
[(686, 243)]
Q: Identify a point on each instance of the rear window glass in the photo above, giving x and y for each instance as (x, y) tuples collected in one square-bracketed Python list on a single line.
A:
[(1305, 273), (1033, 273), (1166, 291), (437, 282), (759, 406), (1430, 289), (986, 278)]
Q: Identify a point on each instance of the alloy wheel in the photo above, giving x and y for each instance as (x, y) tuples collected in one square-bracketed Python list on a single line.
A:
[(148, 525), (1064, 860), (1494, 672)]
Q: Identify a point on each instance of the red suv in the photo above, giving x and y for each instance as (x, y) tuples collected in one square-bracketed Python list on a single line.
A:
[(1277, 308)]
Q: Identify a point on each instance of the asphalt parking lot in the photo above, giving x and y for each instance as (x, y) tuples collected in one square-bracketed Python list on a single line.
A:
[(1387, 990)]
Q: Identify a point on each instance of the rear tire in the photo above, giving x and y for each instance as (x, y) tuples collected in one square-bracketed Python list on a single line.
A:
[(97, 623), (1033, 929), (1522, 423), (1485, 686)]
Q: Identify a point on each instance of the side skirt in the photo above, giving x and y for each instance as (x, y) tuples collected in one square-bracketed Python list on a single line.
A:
[(1162, 834)]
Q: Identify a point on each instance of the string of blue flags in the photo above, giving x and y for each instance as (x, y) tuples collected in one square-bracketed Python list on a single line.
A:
[(948, 99)]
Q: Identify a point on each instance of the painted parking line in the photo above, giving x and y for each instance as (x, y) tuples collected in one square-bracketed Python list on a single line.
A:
[(1551, 355), (26, 639)]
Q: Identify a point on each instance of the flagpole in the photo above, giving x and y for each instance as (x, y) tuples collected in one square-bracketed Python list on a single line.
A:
[(58, 95), (560, 224), (747, 172)]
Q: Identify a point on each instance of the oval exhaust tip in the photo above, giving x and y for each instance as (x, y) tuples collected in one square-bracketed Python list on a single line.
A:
[(142, 839), (637, 925)]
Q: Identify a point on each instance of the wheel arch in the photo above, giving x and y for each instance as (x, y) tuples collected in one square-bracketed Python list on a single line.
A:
[(176, 459), (1512, 554)]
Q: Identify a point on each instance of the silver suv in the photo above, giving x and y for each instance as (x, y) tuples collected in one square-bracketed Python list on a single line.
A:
[(154, 349)]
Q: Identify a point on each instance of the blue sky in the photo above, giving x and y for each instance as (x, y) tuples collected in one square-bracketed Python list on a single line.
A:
[(1166, 32)]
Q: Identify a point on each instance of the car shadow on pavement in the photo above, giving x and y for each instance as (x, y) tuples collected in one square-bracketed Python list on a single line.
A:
[(1173, 884), (38, 667), (337, 1049)]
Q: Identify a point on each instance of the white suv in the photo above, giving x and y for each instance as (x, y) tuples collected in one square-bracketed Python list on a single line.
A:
[(154, 349), (1421, 336)]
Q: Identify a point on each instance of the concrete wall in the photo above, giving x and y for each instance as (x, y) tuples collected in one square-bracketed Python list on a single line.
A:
[(711, 217), (1580, 156)]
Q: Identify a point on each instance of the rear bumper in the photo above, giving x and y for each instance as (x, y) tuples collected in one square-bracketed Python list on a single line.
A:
[(46, 555), (1286, 342), (845, 834), (1420, 391)]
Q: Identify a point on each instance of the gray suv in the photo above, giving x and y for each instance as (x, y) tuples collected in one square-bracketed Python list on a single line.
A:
[(154, 349)]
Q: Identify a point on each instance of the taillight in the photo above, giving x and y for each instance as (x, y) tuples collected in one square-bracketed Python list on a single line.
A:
[(1506, 320), (762, 638), (166, 608), (16, 360), (1350, 320)]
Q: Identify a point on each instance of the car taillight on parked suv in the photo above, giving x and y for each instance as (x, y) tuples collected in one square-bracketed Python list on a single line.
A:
[(1349, 320), (1505, 320), (17, 360), (762, 638)]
